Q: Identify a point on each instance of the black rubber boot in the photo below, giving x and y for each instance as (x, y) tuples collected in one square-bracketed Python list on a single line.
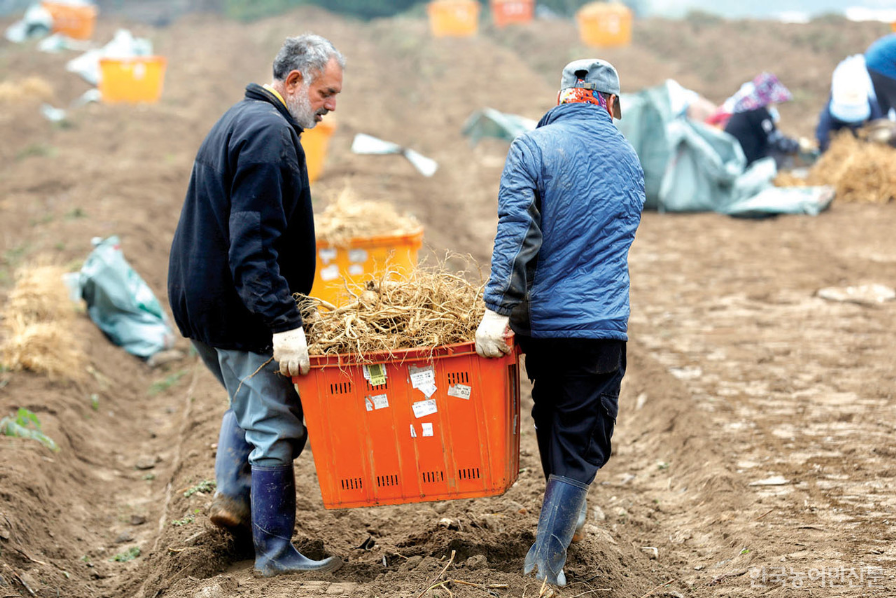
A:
[(273, 519), (563, 501), (233, 477)]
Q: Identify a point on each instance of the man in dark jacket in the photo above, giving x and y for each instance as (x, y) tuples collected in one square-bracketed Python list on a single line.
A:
[(244, 244), (569, 204)]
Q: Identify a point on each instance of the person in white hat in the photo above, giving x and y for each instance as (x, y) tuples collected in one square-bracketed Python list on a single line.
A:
[(569, 204), (852, 103)]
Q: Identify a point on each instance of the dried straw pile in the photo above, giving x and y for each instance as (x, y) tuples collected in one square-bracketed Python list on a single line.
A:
[(347, 218), (858, 170), (37, 325), (31, 88), (424, 309)]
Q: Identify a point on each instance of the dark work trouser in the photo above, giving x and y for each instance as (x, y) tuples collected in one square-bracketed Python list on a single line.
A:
[(884, 89), (576, 386)]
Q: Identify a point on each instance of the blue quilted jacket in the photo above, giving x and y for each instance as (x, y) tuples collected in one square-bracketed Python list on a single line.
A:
[(570, 202)]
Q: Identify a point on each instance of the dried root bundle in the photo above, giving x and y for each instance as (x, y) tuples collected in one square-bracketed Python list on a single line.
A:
[(860, 171), (347, 218), (424, 309)]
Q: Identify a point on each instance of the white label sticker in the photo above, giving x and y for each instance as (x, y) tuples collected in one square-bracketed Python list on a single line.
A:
[(461, 391), (424, 408), (357, 256), (427, 428), (356, 270), (420, 376), (327, 255), (380, 401), (413, 431), (428, 389), (331, 272), (368, 404)]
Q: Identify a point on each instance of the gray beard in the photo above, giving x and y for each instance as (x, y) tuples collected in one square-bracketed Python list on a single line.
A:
[(300, 108)]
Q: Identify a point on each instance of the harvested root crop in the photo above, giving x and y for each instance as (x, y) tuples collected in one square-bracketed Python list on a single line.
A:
[(860, 171), (348, 217), (425, 309), (37, 326)]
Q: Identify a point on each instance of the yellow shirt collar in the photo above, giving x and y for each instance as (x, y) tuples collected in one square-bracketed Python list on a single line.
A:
[(276, 93)]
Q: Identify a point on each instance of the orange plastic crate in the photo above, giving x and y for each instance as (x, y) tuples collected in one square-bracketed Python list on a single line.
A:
[(381, 441), (509, 12), (362, 259), (75, 21)]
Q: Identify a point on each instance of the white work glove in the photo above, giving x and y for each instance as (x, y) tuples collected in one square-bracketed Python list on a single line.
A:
[(492, 335), (291, 352)]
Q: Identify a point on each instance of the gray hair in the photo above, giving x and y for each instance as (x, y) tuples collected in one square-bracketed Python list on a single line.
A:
[(307, 53)]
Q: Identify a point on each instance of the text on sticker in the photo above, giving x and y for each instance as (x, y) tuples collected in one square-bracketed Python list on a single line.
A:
[(380, 401), (377, 374), (461, 391), (421, 376), (424, 408), (427, 428)]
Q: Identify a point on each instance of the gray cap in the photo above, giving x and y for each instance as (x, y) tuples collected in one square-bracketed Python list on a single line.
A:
[(594, 74)]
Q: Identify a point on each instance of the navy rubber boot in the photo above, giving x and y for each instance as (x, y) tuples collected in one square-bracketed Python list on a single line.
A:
[(273, 519), (233, 477), (579, 534), (563, 501)]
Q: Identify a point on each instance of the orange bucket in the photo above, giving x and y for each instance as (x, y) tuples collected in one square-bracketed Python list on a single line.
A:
[(361, 259), (315, 143), (605, 24), (509, 12), (133, 80), (72, 20), (453, 18), (420, 426)]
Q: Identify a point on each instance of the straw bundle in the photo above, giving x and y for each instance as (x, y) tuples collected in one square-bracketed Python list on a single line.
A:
[(347, 218), (38, 325), (424, 309), (858, 170), (25, 89)]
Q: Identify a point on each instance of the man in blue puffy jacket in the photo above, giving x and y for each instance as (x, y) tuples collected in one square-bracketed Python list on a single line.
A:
[(244, 244), (569, 204)]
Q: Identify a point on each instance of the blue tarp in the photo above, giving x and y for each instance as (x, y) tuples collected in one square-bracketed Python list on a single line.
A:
[(690, 166)]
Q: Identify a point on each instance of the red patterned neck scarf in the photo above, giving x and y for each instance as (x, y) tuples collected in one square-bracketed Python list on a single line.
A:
[(579, 95)]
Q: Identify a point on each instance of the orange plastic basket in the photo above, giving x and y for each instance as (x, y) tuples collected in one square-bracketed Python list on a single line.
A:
[(132, 80), (361, 259), (453, 18), (605, 24), (509, 12), (315, 143), (380, 435), (74, 21)]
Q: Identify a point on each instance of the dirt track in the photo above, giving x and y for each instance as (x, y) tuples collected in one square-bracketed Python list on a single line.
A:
[(738, 373)]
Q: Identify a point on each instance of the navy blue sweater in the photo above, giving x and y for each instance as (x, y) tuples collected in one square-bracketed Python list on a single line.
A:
[(245, 241)]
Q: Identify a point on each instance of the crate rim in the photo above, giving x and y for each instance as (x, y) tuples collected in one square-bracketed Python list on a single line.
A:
[(399, 356), (415, 237), (149, 58)]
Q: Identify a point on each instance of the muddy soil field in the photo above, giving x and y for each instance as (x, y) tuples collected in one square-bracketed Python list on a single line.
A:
[(753, 453)]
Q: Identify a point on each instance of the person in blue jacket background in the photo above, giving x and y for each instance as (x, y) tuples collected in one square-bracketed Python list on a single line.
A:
[(852, 103), (569, 203), (244, 244), (880, 59)]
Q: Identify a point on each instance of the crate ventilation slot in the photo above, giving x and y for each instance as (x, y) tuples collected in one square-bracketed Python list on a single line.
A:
[(471, 473), (351, 484), (433, 476), (458, 378), (340, 388), (386, 480), (371, 387)]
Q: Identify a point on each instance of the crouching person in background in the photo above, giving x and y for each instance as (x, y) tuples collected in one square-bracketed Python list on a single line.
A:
[(569, 204)]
